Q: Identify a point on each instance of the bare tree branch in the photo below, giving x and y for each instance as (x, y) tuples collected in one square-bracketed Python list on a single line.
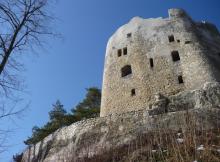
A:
[(22, 25)]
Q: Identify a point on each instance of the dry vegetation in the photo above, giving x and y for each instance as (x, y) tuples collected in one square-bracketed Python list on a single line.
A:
[(188, 144), (169, 146)]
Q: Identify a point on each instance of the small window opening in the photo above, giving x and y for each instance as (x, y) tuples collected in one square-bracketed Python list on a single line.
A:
[(151, 62), (133, 93), (129, 35), (187, 42), (175, 55), (125, 51), (126, 70), (171, 38), (119, 52), (180, 79), (178, 41)]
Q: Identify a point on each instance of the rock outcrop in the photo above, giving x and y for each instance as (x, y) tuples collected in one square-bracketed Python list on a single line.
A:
[(90, 137)]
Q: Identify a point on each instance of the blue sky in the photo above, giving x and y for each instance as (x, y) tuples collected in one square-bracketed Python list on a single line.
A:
[(69, 65)]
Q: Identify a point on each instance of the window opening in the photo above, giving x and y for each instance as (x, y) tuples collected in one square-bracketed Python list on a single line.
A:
[(125, 51), (175, 55), (119, 52), (180, 79), (126, 70), (151, 62), (133, 93), (187, 42), (171, 38), (129, 35)]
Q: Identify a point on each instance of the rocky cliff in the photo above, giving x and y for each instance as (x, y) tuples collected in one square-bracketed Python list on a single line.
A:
[(89, 138)]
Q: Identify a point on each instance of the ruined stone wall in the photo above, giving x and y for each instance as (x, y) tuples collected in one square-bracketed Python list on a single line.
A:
[(91, 137), (147, 39)]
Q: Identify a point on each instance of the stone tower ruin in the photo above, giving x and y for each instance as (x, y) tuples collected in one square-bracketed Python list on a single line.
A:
[(162, 55)]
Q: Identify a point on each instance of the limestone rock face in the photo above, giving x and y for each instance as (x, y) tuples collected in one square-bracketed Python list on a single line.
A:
[(90, 137), (207, 97)]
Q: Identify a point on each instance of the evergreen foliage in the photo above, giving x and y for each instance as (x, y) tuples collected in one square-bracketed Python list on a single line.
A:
[(17, 157), (88, 108), (58, 111)]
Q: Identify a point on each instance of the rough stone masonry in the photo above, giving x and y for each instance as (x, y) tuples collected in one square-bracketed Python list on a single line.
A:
[(157, 73), (90, 137), (163, 55)]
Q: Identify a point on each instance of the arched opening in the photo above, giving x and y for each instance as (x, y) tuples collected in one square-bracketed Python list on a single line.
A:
[(126, 70)]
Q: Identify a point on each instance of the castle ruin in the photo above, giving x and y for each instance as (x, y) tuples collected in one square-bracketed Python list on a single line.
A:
[(175, 57), (162, 55)]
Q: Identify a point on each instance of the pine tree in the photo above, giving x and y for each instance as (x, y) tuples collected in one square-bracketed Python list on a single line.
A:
[(58, 112), (90, 106)]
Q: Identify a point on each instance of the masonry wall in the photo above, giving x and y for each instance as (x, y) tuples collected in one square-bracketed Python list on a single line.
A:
[(94, 136), (147, 39)]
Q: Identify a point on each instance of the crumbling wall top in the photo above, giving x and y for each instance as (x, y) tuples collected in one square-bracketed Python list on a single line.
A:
[(177, 13)]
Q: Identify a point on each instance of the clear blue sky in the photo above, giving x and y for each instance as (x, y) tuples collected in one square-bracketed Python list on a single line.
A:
[(71, 64)]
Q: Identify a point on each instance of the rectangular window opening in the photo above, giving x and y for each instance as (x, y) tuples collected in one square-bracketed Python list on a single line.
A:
[(129, 35), (133, 93), (119, 52), (125, 51), (175, 56), (151, 62), (180, 79), (126, 70), (178, 41), (187, 42), (171, 38)]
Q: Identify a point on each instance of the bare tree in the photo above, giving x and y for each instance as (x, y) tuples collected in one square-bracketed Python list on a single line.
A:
[(22, 25), (23, 22)]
